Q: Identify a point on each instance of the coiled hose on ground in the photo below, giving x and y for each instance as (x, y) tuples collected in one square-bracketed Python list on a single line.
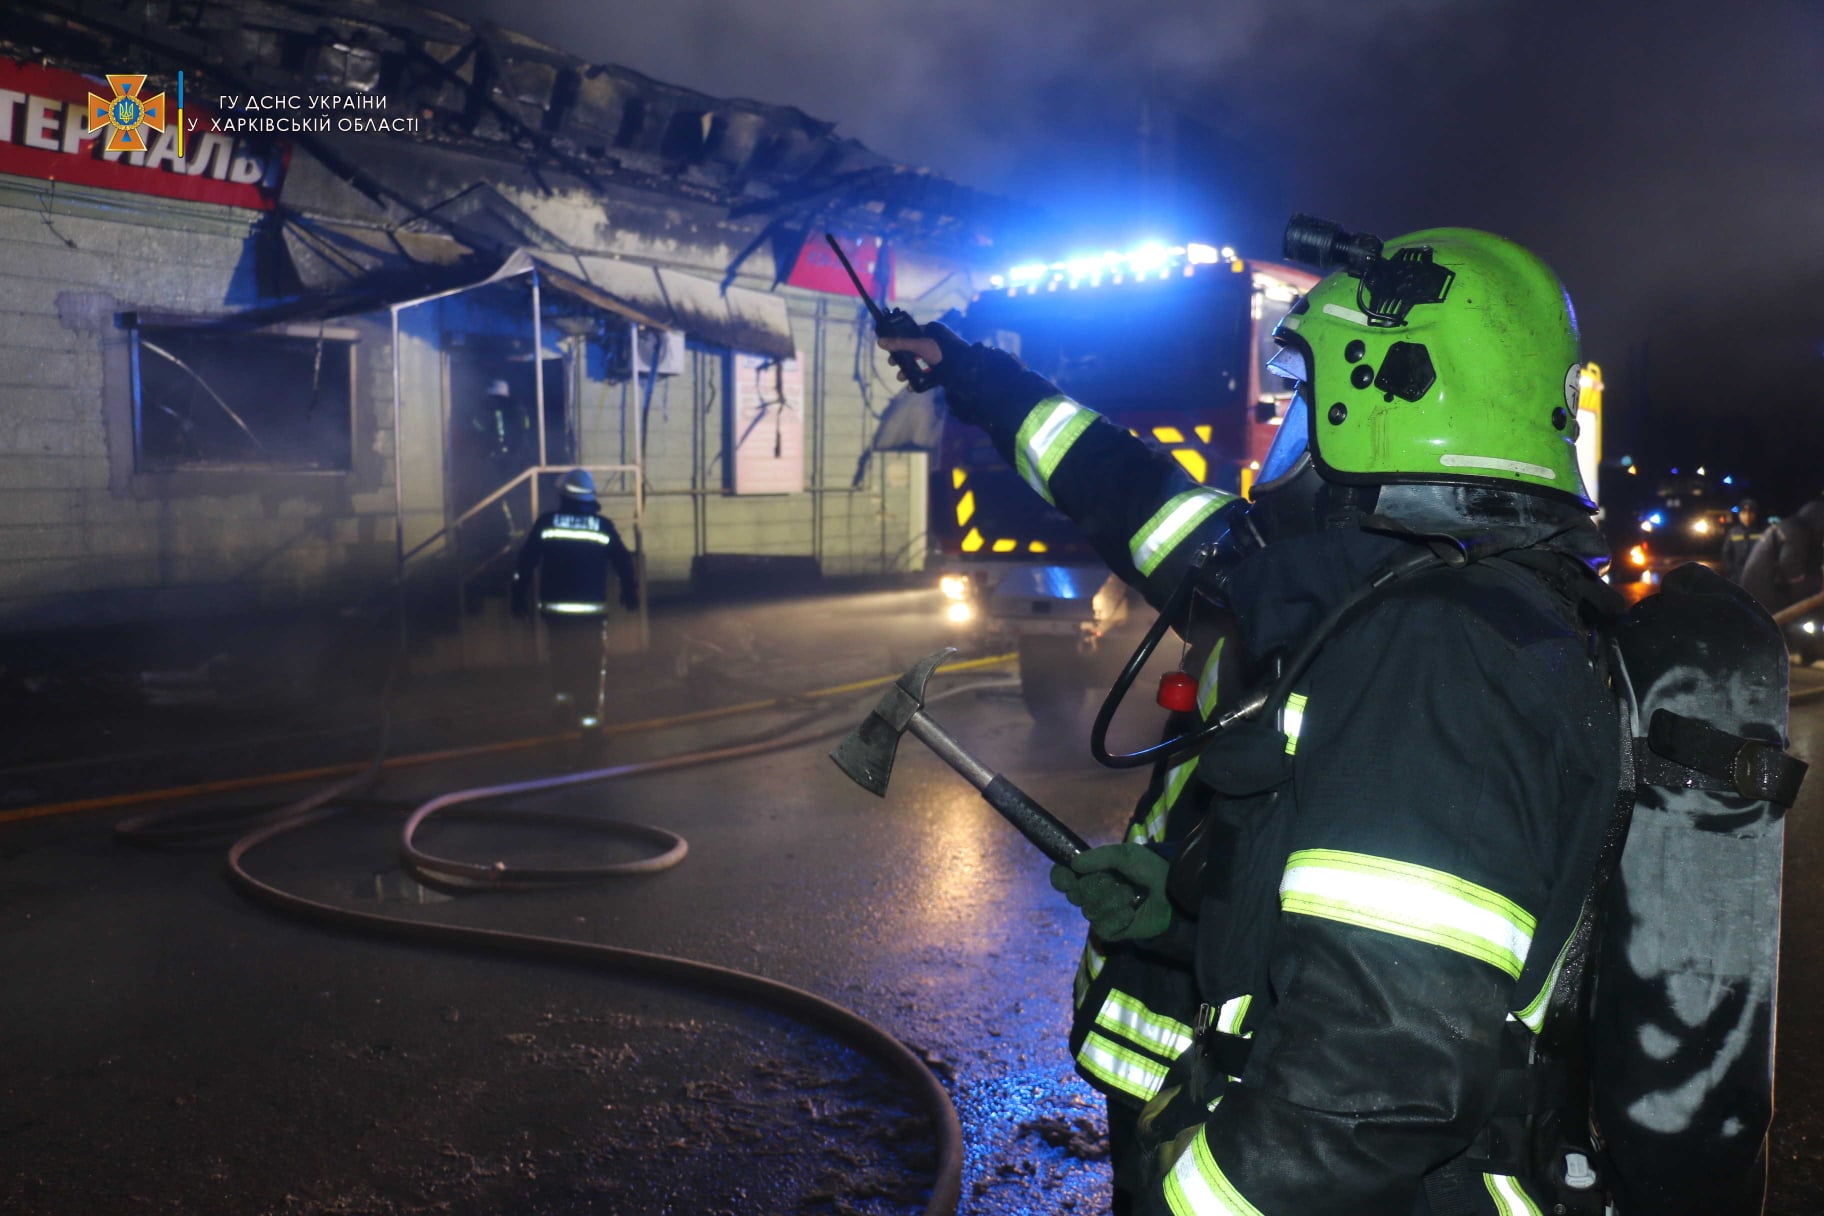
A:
[(347, 793)]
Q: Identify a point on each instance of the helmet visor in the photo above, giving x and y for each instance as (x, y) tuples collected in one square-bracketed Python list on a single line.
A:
[(1291, 447), (1289, 363)]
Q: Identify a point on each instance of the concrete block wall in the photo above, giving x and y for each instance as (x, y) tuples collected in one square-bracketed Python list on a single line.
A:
[(85, 539), (849, 529)]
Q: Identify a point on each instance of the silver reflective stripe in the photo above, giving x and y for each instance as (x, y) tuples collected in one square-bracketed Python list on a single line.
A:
[(600, 538), (1170, 524), (1128, 1071), (1050, 428), (1233, 1013), (574, 608), (1123, 1015), (1197, 1186), (1206, 684), (1510, 1200), (1408, 901), (1292, 720), (1152, 828), (1496, 462)]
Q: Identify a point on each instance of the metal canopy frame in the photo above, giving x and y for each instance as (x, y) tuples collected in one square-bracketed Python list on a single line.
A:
[(521, 263)]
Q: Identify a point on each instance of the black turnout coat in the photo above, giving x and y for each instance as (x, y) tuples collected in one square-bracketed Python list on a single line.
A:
[(1395, 861)]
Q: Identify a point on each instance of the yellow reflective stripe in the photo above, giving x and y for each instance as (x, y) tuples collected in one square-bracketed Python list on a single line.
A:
[(1292, 720), (1233, 1013), (1206, 683), (600, 538), (1088, 968), (1197, 1186), (1170, 524), (574, 608), (1048, 432), (1408, 901), (1510, 1200), (1128, 1071), (1123, 1015), (1152, 828), (1533, 1016)]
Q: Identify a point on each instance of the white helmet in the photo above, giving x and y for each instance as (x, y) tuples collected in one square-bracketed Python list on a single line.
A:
[(577, 484)]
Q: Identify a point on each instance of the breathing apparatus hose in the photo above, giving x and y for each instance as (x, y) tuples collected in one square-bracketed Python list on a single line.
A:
[(1262, 699), (1169, 613)]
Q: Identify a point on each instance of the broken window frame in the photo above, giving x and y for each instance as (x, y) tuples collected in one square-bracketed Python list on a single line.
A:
[(147, 332)]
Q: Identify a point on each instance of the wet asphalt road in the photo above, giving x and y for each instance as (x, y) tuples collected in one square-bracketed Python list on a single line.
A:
[(170, 1047), (175, 1048)]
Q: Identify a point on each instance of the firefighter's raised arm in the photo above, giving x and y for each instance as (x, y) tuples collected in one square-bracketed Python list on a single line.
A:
[(1143, 513), (926, 349)]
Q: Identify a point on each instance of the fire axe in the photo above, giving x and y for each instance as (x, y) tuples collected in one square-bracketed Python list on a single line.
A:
[(867, 757)]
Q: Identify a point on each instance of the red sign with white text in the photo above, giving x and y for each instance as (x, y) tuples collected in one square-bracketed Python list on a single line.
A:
[(818, 269), (44, 133)]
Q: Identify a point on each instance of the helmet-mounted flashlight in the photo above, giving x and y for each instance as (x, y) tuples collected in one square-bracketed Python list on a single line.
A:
[(1389, 287), (1327, 246)]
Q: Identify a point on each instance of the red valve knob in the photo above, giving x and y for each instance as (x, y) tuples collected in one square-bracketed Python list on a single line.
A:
[(1177, 691)]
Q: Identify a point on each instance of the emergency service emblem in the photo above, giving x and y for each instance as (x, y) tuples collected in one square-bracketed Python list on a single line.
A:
[(126, 114)]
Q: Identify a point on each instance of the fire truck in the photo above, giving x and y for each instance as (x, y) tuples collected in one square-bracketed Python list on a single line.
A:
[(1168, 341)]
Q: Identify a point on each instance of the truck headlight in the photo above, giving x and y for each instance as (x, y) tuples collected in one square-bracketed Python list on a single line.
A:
[(960, 613), (954, 587)]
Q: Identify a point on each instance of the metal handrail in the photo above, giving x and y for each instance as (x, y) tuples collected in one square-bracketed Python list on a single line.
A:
[(506, 488)]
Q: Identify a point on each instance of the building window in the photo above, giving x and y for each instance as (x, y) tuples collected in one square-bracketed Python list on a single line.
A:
[(212, 398)]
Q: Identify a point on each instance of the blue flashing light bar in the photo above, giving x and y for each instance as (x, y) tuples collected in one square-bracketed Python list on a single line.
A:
[(1150, 260)]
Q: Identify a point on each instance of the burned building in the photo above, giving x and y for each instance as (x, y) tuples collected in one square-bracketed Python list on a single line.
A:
[(298, 302)]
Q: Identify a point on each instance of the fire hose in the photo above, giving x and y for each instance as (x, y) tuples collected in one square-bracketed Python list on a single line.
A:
[(670, 849)]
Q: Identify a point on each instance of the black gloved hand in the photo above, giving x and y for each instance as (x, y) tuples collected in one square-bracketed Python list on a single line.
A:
[(1120, 888), (969, 373), (630, 598)]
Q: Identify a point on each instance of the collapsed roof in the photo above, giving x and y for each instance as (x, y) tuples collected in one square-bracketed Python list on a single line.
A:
[(769, 170)]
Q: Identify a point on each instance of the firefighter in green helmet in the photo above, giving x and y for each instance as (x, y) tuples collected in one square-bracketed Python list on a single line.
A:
[(1375, 874)]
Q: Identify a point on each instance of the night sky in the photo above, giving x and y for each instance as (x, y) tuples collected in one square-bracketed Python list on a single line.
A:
[(1666, 159)]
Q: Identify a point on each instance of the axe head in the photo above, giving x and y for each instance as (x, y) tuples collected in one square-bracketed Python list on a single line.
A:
[(867, 754)]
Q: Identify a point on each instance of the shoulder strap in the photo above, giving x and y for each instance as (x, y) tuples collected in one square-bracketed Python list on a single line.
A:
[(1685, 753), (1563, 1040)]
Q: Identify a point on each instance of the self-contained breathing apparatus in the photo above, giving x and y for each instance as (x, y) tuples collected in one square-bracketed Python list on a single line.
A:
[(1594, 1110)]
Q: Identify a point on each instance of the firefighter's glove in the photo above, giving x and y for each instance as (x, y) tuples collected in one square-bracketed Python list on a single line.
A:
[(630, 598), (1120, 888), (973, 376)]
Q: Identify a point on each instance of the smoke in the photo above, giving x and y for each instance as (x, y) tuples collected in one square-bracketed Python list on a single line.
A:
[(1665, 161)]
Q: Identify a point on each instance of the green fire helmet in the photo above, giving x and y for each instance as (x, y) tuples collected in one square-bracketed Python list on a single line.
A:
[(1453, 358)]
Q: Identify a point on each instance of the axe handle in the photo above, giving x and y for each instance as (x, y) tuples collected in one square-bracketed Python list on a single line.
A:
[(1036, 823), (949, 750)]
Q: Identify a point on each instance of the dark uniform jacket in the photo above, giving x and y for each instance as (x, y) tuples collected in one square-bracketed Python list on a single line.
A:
[(1784, 566), (572, 550), (1739, 540), (1400, 856)]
